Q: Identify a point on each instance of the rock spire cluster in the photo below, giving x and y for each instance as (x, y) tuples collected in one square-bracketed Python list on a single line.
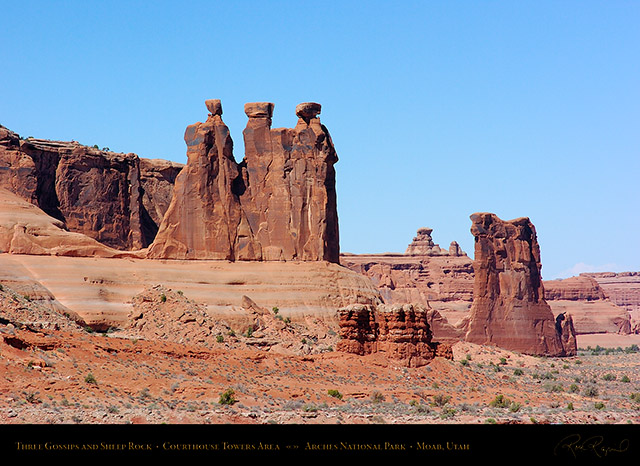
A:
[(277, 204)]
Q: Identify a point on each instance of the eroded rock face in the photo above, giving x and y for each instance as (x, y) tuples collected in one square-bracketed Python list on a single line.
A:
[(94, 192), (278, 204), (204, 217), (401, 332), (157, 178), (573, 289), (509, 309)]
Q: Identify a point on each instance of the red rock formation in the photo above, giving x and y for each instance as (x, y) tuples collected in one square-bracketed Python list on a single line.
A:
[(508, 307), (204, 217), (401, 332), (278, 204), (621, 288), (93, 192), (573, 289), (157, 178)]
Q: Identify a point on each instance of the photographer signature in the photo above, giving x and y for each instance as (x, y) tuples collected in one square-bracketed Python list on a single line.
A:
[(595, 444)]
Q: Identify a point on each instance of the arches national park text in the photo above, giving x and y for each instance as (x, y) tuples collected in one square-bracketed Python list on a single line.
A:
[(387, 446)]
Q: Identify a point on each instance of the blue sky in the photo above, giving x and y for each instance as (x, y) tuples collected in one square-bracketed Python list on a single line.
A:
[(437, 109)]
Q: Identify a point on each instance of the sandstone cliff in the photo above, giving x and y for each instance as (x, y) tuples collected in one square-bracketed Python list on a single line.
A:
[(97, 193), (278, 204), (509, 309)]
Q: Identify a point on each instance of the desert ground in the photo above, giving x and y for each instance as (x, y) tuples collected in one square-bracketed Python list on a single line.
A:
[(65, 374)]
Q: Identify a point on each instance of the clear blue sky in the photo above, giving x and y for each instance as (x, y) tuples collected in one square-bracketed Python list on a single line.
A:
[(437, 109)]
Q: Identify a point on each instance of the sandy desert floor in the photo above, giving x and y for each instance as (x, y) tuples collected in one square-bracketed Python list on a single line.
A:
[(58, 374)]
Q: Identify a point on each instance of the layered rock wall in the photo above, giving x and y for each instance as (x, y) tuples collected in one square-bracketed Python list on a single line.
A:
[(509, 309), (401, 332), (94, 192)]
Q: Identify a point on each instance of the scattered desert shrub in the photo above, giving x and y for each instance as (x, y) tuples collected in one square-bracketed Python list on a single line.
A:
[(590, 390), (448, 413), (32, 397), (573, 388), (518, 372), (227, 397), (599, 405), (570, 406), (500, 401), (335, 393), (91, 379), (625, 379), (377, 397), (635, 397), (554, 388), (220, 339), (609, 377), (163, 298), (440, 400)]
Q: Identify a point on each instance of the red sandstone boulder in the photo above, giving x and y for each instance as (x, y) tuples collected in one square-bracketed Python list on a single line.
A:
[(508, 307)]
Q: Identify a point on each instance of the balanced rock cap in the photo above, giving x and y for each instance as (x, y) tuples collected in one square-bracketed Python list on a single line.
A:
[(214, 106), (259, 109), (308, 110)]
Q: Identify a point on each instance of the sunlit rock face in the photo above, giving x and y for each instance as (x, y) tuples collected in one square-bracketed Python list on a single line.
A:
[(277, 204), (509, 309)]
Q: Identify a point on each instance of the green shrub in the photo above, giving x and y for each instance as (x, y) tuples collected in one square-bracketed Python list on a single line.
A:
[(227, 397), (335, 393), (609, 377), (635, 397), (599, 405), (591, 391), (440, 400), (91, 379), (625, 379), (518, 372), (220, 339), (275, 310), (500, 401), (448, 413), (377, 397), (570, 406), (573, 388), (163, 298), (490, 421)]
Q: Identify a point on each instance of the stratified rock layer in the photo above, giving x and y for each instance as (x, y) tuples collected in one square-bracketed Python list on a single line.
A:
[(278, 204), (509, 309), (401, 332), (97, 193)]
